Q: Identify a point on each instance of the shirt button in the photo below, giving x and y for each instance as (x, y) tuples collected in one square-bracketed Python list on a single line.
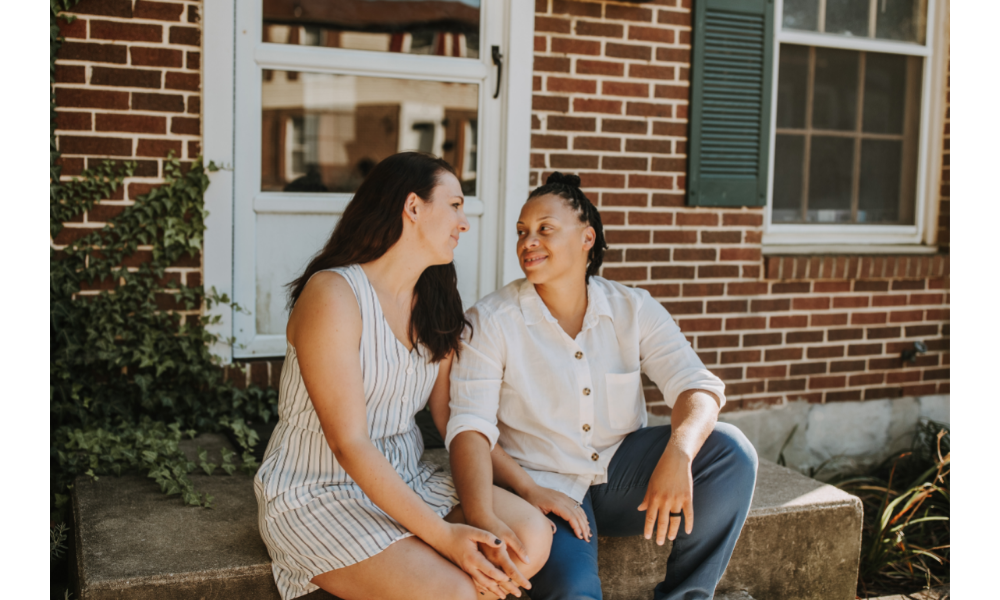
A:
[(578, 355), (586, 427), (586, 391), (594, 456), (409, 371), (404, 397)]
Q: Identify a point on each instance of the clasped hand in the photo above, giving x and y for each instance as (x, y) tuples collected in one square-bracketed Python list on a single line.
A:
[(669, 494), (476, 550)]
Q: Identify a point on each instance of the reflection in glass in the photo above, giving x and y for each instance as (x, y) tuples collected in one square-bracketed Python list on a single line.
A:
[(885, 92), (789, 152), (904, 20), (436, 27), (800, 14), (830, 165), (793, 71), (324, 133), (835, 97), (847, 17), (879, 194)]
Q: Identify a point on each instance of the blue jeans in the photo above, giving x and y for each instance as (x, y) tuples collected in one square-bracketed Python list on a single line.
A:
[(724, 473)]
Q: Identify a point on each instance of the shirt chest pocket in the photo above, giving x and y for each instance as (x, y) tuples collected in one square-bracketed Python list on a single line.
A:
[(624, 396)]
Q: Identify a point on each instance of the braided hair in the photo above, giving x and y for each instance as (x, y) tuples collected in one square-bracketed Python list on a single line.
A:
[(568, 188)]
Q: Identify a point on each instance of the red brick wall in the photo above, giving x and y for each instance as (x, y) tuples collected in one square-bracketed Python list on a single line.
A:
[(611, 89), (128, 81), (610, 103)]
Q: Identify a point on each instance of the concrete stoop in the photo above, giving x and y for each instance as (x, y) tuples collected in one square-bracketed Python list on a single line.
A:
[(937, 593), (800, 542)]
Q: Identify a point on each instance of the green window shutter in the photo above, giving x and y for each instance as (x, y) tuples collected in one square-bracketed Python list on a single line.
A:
[(730, 102)]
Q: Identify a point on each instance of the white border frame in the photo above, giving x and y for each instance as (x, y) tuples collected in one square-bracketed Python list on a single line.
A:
[(230, 33), (779, 238), (218, 105)]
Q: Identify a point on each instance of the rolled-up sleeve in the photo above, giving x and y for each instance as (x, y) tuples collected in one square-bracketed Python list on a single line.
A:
[(476, 378), (667, 357)]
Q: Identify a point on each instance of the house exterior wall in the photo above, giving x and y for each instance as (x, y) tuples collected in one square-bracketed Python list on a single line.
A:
[(127, 88), (610, 102), (611, 89)]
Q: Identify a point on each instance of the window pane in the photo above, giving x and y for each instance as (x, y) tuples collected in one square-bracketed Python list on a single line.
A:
[(847, 17), (789, 152), (324, 133), (904, 20), (830, 165), (800, 14), (439, 27), (889, 91), (879, 194), (835, 96), (793, 71)]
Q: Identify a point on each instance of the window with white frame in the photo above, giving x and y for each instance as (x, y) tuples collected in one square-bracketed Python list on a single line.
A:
[(854, 102), (326, 90)]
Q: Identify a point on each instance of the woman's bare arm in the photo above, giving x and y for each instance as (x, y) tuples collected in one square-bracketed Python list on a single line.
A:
[(438, 402), (325, 329)]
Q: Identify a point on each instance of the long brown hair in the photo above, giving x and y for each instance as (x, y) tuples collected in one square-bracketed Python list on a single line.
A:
[(372, 223)]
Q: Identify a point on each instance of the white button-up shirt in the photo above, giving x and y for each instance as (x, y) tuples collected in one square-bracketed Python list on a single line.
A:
[(560, 406)]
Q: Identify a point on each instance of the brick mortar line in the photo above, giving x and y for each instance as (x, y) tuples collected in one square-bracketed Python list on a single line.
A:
[(107, 88), (602, 96), (615, 153), (153, 46), (138, 20), (572, 134), (124, 135), (122, 113), (653, 62), (811, 361)]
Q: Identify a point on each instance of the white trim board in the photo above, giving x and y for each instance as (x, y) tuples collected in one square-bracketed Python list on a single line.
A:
[(217, 146)]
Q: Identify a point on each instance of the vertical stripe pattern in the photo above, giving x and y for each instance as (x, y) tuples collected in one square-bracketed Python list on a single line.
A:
[(313, 517)]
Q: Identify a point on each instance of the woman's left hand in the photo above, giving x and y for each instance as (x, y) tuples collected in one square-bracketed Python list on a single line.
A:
[(670, 490)]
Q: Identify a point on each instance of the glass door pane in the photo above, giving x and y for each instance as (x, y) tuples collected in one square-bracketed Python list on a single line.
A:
[(323, 133), (433, 27)]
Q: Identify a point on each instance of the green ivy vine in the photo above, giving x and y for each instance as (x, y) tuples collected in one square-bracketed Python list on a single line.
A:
[(129, 379)]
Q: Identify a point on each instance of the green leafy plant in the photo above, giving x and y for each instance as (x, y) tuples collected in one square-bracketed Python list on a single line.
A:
[(131, 374), (57, 544), (127, 377), (905, 544)]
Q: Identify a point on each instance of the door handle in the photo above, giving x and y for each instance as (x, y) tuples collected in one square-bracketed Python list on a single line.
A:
[(498, 61)]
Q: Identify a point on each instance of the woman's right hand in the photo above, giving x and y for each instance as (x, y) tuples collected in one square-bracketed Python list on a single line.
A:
[(551, 501), (459, 545)]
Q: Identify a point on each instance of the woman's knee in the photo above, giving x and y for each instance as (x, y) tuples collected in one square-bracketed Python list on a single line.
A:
[(535, 532), (455, 585)]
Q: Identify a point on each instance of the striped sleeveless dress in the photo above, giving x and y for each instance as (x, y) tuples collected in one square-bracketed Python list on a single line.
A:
[(313, 517)]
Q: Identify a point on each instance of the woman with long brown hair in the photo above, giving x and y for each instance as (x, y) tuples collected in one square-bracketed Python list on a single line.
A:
[(345, 503)]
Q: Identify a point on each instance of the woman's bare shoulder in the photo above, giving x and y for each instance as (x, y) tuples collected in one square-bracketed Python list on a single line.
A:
[(327, 301)]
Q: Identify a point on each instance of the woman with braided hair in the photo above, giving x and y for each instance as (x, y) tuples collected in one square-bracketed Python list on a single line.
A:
[(546, 400)]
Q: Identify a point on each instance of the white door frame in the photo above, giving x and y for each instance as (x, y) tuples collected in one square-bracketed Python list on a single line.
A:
[(234, 196)]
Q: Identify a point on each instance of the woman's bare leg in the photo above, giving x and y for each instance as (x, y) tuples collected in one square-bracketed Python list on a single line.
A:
[(528, 523), (411, 570), (407, 570)]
